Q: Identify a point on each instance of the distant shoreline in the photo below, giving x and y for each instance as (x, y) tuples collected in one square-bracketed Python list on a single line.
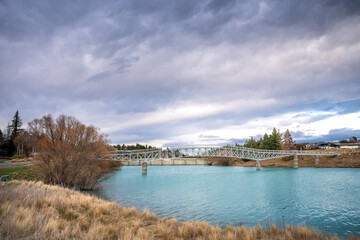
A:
[(345, 160)]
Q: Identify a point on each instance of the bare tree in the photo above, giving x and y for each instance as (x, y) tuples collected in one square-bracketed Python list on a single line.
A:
[(288, 143), (68, 153)]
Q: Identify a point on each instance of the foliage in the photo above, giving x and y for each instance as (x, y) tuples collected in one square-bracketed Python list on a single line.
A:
[(300, 146), (7, 144), (251, 143), (24, 143), (266, 142), (14, 129), (69, 153), (16, 124), (20, 173), (132, 147), (270, 142), (353, 139), (288, 143)]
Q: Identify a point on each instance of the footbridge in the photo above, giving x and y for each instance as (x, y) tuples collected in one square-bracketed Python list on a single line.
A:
[(148, 155)]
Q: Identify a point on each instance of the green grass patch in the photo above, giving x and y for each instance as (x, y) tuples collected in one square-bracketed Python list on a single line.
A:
[(20, 173)]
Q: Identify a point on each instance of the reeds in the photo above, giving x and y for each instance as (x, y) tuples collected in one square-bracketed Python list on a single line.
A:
[(33, 210)]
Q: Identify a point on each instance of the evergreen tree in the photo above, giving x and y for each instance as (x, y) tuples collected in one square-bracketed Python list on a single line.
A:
[(288, 143), (260, 143), (251, 143), (266, 144), (275, 140), (1, 137), (16, 124), (12, 131)]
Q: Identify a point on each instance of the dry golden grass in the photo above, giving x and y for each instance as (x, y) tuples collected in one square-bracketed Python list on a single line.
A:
[(28, 159), (33, 210)]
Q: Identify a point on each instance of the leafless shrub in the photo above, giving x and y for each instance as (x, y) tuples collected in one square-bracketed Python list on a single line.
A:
[(68, 152)]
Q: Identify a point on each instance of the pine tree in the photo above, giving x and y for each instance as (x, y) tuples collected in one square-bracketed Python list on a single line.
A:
[(288, 143), (251, 143), (266, 144), (260, 143), (13, 130), (275, 140), (16, 124)]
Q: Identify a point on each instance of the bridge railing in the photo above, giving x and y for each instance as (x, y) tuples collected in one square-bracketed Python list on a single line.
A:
[(294, 152), (212, 151), (284, 152)]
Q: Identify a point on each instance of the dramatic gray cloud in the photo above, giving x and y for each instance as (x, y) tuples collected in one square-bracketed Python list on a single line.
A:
[(171, 72)]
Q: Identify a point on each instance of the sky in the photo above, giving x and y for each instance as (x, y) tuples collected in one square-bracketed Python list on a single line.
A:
[(170, 73)]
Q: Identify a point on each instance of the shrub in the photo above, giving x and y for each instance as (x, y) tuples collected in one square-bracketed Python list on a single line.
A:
[(225, 162), (69, 153), (17, 157)]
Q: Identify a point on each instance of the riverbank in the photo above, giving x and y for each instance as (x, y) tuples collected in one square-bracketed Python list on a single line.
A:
[(38, 211), (345, 160), (26, 173)]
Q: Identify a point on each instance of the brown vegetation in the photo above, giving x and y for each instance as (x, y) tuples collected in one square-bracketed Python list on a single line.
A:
[(345, 160), (224, 162), (32, 210), (28, 159), (68, 152)]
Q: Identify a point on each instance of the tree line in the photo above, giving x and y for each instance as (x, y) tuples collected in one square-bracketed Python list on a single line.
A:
[(132, 147), (274, 141), (11, 137)]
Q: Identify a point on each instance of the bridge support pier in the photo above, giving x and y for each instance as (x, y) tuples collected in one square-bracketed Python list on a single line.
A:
[(144, 168), (317, 159), (296, 161), (258, 167)]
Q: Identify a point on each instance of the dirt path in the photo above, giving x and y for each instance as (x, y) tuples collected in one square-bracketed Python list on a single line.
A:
[(9, 164)]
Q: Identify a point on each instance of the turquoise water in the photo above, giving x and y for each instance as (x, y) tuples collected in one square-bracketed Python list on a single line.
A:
[(327, 199)]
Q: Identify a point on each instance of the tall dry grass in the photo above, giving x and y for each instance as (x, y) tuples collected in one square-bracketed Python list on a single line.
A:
[(33, 210)]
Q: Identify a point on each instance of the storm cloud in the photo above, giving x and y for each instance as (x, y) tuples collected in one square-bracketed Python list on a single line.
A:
[(165, 72)]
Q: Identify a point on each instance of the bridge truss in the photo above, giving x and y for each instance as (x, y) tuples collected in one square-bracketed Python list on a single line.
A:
[(210, 151)]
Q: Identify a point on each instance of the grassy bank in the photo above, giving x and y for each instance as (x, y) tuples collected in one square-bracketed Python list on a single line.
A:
[(32, 210), (345, 160), (20, 173)]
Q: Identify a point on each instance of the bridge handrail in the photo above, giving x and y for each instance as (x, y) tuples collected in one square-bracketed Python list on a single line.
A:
[(320, 152), (231, 148)]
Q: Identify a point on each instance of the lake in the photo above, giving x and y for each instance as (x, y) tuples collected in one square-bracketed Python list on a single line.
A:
[(324, 198)]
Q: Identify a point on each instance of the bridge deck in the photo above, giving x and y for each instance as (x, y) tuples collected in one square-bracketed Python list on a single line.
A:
[(211, 151)]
